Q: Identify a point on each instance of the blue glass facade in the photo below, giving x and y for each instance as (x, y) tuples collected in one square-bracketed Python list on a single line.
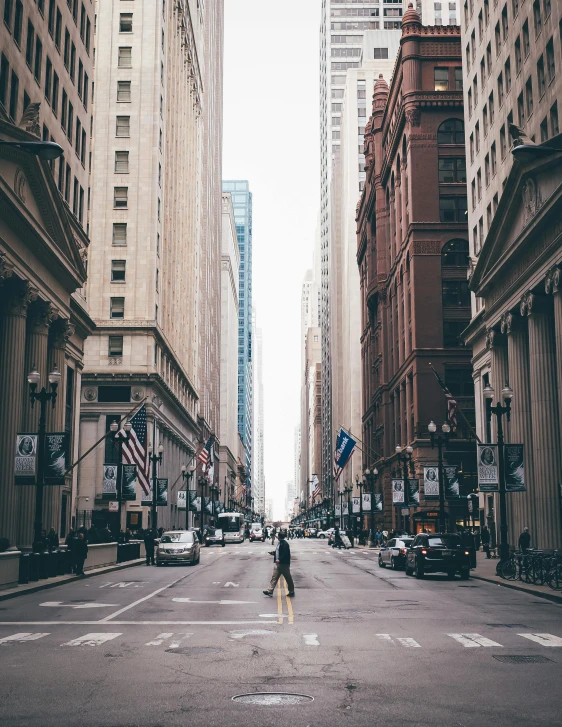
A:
[(242, 203)]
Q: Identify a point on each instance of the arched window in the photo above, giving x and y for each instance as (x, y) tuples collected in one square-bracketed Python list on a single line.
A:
[(455, 254), (451, 132)]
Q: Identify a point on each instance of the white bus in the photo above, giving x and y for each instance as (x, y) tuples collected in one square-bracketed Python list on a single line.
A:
[(232, 525)]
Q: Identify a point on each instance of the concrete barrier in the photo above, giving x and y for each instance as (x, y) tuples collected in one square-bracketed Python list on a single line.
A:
[(101, 554), (9, 568)]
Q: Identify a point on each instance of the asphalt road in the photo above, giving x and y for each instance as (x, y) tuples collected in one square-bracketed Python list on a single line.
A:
[(160, 647)]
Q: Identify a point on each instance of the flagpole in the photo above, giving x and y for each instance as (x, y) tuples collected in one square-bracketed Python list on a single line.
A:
[(460, 411)]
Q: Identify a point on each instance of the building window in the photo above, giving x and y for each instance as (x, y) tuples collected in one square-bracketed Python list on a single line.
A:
[(507, 69), (29, 43), (541, 77), (550, 62), (455, 254), (117, 308), (529, 96), (72, 62), (122, 162), (505, 23), (126, 22), (452, 209), (477, 136), (452, 170), (493, 159), (123, 127), (544, 130), (458, 79), (4, 75), (451, 132), (120, 197), (479, 184), (554, 128), (118, 271), (38, 60), (503, 143), (500, 90), (537, 17), (14, 95), (487, 170), (18, 23), (115, 348), (119, 233), (518, 57), (55, 99), (452, 333), (485, 120), (441, 79), (124, 57), (380, 53), (124, 91), (455, 294), (498, 38)]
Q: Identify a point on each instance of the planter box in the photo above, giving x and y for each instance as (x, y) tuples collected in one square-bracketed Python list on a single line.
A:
[(9, 569), (101, 554)]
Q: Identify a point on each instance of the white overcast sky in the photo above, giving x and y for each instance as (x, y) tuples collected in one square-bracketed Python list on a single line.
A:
[(271, 138)]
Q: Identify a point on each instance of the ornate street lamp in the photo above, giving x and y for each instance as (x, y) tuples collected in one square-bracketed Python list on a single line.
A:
[(499, 411), (155, 459), (405, 456), (187, 473), (371, 478), (348, 489), (120, 439), (359, 483), (43, 396), (442, 439)]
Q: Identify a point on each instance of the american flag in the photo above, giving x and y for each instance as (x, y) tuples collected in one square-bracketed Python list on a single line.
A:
[(317, 489), (451, 401), (204, 455), (134, 449)]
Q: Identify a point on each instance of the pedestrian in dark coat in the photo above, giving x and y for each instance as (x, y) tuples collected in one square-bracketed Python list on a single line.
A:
[(485, 538), (52, 540), (149, 545), (80, 553), (525, 540), (40, 544)]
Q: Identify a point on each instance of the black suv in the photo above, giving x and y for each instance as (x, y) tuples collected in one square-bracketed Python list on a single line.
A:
[(438, 553)]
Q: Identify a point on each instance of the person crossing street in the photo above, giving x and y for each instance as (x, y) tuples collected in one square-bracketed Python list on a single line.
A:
[(282, 565)]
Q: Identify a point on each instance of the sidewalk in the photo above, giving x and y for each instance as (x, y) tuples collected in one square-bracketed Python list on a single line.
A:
[(59, 580), (486, 571)]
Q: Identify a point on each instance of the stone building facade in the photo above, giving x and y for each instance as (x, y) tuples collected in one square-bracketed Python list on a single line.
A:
[(413, 261)]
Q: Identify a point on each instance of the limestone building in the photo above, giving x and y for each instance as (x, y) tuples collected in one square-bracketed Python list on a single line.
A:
[(155, 195), (512, 59), (45, 93)]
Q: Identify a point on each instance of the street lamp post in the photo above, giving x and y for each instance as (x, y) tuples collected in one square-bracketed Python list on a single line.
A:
[(348, 489), (187, 475), (155, 459), (499, 411), (405, 456), (360, 484), (42, 397), (442, 439), (371, 478), (120, 439), (340, 493)]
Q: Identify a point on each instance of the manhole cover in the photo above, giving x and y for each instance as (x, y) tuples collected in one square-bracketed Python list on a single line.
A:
[(194, 650), (523, 659), (272, 699)]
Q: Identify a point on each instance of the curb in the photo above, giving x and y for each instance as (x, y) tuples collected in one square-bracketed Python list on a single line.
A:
[(71, 579), (514, 587)]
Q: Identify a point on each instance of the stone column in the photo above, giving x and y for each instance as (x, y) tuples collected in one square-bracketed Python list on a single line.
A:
[(553, 284), (16, 296), (545, 531), (521, 505), (400, 321), (38, 320)]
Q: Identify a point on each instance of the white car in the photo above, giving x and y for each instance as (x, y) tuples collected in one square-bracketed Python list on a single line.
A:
[(325, 533)]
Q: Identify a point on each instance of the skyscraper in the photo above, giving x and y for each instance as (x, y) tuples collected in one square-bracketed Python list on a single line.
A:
[(242, 203), (258, 484)]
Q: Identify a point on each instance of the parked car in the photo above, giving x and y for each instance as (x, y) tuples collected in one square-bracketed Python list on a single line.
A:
[(438, 553), (257, 534), (394, 553), (214, 537), (324, 533), (178, 546)]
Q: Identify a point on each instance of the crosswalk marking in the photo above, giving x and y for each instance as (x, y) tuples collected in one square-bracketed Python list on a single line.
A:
[(159, 640), (543, 639), (406, 641), (473, 640), (21, 637), (92, 639), (311, 639), (409, 642)]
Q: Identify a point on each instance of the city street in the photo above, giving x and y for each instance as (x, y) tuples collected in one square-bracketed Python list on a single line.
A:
[(153, 646)]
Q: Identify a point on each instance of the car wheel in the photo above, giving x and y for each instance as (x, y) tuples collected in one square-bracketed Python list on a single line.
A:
[(419, 570), (465, 574), (393, 563), (158, 564), (321, 537), (408, 570), (223, 545), (381, 564), (451, 574)]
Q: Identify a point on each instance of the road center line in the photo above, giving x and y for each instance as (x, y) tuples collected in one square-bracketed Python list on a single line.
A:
[(140, 600), (280, 601), (289, 605)]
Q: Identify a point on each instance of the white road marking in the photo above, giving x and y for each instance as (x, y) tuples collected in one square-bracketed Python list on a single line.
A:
[(136, 623), (59, 604), (408, 642), (178, 640), (124, 584), (277, 615), (311, 639), (159, 640), (250, 632), (230, 583), (384, 637), (140, 600), (543, 639), (92, 639), (473, 640), (216, 583), (21, 637), (223, 602)]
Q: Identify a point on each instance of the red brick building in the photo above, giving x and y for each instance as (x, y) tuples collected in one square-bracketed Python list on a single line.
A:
[(413, 261)]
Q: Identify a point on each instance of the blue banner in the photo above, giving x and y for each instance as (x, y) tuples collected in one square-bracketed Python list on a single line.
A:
[(345, 444)]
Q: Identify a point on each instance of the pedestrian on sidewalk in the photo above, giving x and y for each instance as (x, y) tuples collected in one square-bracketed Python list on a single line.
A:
[(80, 553), (282, 565), (149, 545), (338, 542), (485, 538), (525, 540), (273, 536)]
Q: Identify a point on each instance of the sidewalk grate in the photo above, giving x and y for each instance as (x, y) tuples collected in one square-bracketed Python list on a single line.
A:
[(523, 659)]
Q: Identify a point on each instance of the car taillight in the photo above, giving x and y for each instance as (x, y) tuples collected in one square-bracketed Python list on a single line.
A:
[(466, 552), (424, 552)]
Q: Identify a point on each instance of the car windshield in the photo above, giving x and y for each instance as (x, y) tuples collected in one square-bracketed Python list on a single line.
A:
[(217, 533), (256, 526), (177, 538), (407, 541), (445, 541)]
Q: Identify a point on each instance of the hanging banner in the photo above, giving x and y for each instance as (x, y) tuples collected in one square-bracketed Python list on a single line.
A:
[(452, 484), (377, 504), (367, 502), (356, 504), (182, 500), (514, 468), (25, 470), (398, 492), (413, 492), (488, 473), (162, 491), (218, 506), (109, 487), (128, 482), (208, 505), (146, 498), (194, 501), (338, 511), (431, 483), (56, 457), (345, 510)]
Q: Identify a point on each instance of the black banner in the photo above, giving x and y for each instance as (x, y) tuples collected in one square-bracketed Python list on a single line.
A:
[(128, 482), (162, 491), (514, 468), (56, 457)]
